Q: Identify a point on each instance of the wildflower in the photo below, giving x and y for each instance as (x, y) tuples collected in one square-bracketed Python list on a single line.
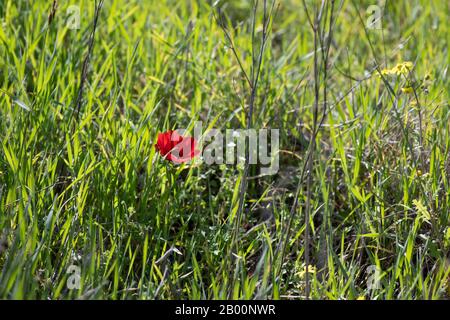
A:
[(176, 148), (399, 69), (387, 72), (311, 269), (404, 67), (407, 90)]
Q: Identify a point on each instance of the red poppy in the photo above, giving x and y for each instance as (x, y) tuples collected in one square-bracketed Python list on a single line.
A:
[(176, 148)]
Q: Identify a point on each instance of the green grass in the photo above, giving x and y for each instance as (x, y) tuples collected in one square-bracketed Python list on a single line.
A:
[(91, 191)]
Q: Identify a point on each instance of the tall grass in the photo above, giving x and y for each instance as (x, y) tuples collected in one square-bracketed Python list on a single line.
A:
[(359, 208)]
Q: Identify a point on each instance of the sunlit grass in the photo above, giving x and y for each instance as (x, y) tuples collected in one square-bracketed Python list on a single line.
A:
[(93, 192)]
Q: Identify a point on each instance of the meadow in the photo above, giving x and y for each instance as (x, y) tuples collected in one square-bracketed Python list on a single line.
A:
[(358, 209)]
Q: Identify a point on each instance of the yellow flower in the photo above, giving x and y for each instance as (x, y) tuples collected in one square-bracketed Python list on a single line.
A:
[(386, 72), (311, 269), (361, 298), (404, 67), (407, 90), (399, 69)]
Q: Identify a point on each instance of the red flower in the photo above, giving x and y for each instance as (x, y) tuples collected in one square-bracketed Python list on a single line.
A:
[(176, 148)]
